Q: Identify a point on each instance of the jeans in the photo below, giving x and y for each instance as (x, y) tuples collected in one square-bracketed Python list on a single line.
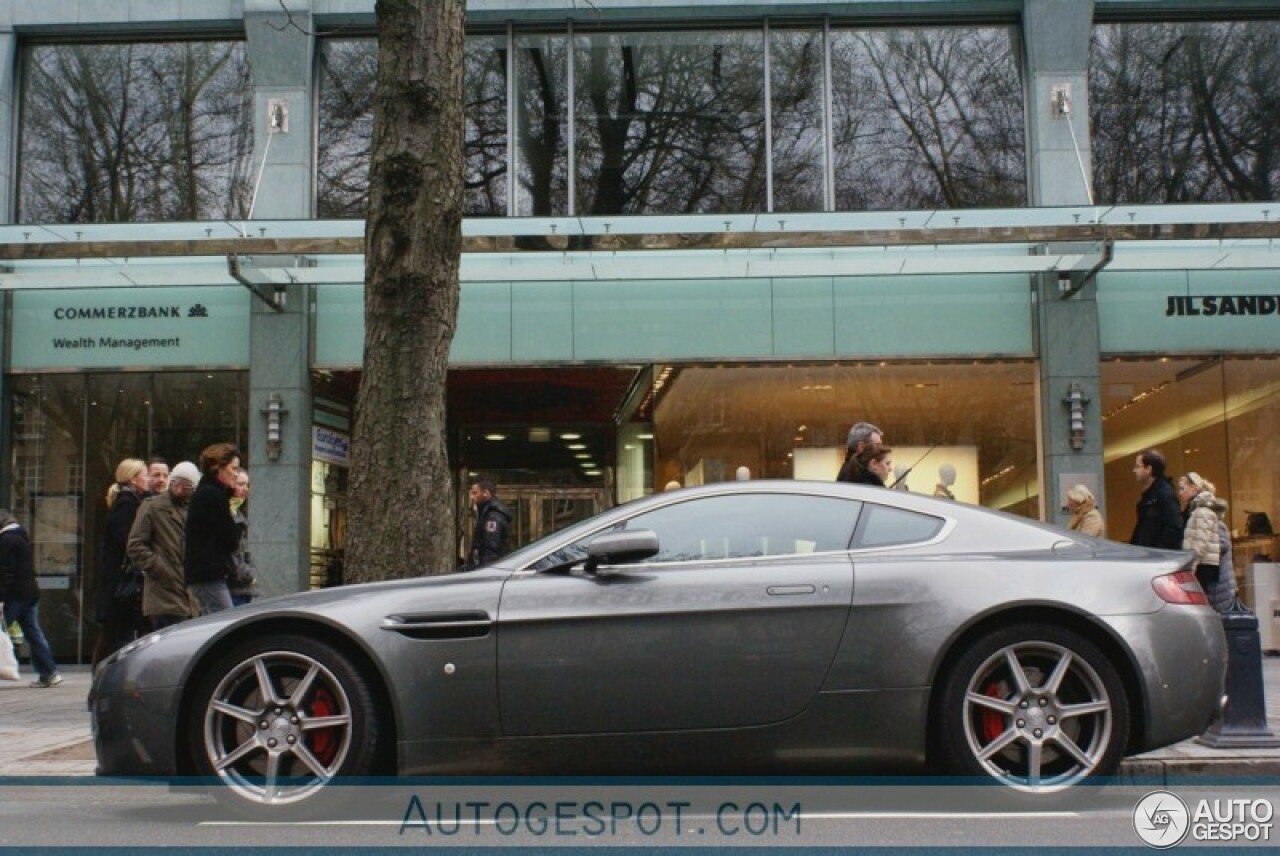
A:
[(25, 613), (212, 597)]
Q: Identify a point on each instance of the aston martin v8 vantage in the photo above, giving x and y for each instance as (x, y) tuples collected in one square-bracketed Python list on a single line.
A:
[(741, 628)]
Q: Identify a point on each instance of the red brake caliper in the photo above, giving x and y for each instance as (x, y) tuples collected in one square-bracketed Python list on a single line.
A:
[(992, 721), (323, 742)]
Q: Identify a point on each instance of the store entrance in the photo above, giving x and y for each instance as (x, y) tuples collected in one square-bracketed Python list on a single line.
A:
[(540, 510), (559, 443)]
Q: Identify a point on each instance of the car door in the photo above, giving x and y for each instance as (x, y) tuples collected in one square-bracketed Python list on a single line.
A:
[(734, 623)]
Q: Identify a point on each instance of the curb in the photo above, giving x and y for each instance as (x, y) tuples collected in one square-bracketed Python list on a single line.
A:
[(1166, 770)]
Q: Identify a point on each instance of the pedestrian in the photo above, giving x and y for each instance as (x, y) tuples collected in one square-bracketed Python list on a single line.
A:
[(243, 582), (493, 520), (120, 619), (20, 596), (861, 435), (1159, 517), (156, 546), (1222, 596), (873, 465), (1201, 532), (212, 535), (1085, 516), (157, 475)]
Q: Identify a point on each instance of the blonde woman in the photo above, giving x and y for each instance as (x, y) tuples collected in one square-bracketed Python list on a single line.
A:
[(119, 621), (1201, 533), (1085, 516)]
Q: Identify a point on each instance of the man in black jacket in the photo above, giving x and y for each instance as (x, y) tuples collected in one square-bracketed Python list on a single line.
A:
[(1159, 515), (493, 520), (20, 594)]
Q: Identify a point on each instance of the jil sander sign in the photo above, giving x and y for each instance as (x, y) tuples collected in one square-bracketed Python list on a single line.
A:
[(114, 328), (1195, 311), (1218, 306)]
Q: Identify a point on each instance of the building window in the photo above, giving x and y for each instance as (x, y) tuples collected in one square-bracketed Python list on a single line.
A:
[(670, 123), (1211, 415), (68, 433), (968, 427), (542, 129), (347, 78), (1185, 111), (796, 110), (927, 118), (118, 133)]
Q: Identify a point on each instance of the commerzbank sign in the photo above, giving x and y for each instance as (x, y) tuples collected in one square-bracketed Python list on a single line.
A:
[(157, 327), (71, 313)]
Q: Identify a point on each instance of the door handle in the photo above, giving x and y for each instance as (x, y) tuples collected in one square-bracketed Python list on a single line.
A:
[(778, 591)]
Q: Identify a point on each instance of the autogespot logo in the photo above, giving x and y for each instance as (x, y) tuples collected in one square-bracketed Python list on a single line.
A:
[(1161, 819)]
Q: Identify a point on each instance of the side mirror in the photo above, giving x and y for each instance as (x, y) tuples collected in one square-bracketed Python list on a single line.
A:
[(617, 548)]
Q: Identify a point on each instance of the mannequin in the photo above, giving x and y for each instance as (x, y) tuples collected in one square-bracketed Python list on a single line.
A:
[(946, 478), (900, 477)]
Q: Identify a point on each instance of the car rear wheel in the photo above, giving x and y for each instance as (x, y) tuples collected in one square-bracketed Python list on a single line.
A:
[(276, 720), (1037, 708)]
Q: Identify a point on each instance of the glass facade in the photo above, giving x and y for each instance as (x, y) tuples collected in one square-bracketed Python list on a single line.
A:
[(119, 133), (1211, 415), (927, 118), (688, 121), (1186, 111), (347, 72), (68, 432), (978, 417), (669, 123)]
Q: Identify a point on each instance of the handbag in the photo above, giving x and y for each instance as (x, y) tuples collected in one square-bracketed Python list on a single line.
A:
[(242, 574), (8, 660), (129, 586)]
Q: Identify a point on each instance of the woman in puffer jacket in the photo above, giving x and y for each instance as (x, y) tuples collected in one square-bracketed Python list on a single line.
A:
[(1201, 532), (1223, 594)]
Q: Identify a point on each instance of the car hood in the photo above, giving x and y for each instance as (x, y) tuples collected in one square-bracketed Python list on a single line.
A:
[(171, 650)]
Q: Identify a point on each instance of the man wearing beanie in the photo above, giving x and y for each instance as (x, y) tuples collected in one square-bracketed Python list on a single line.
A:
[(156, 546)]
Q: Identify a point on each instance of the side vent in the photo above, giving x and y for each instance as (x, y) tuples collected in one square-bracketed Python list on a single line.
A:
[(440, 625)]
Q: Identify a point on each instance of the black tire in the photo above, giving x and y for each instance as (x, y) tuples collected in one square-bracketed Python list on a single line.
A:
[(277, 721), (1059, 718)]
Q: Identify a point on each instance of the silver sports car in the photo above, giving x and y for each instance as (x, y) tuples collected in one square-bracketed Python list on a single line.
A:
[(741, 628)]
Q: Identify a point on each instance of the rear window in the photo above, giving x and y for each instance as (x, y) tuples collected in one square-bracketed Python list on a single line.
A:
[(881, 526)]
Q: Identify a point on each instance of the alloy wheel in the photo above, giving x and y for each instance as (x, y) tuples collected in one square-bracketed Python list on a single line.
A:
[(277, 727), (1037, 716)]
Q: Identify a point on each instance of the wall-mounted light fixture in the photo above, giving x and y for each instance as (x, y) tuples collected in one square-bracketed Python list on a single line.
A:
[(1075, 402), (275, 414)]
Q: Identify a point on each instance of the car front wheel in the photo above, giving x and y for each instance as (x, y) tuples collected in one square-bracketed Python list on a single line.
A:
[(1037, 708), (276, 720)]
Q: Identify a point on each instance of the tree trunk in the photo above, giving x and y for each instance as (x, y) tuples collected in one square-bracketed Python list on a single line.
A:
[(400, 520)]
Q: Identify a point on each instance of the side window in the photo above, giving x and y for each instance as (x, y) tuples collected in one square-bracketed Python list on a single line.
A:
[(882, 526), (737, 527)]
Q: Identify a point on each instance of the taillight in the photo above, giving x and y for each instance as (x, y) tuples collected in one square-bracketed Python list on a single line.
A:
[(1181, 587)]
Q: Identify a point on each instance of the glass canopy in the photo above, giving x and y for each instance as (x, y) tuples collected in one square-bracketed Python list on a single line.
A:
[(907, 243)]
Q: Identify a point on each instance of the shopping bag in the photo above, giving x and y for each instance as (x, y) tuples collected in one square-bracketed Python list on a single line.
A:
[(8, 660)]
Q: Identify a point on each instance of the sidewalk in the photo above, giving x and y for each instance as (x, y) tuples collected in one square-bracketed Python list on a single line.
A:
[(45, 732)]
